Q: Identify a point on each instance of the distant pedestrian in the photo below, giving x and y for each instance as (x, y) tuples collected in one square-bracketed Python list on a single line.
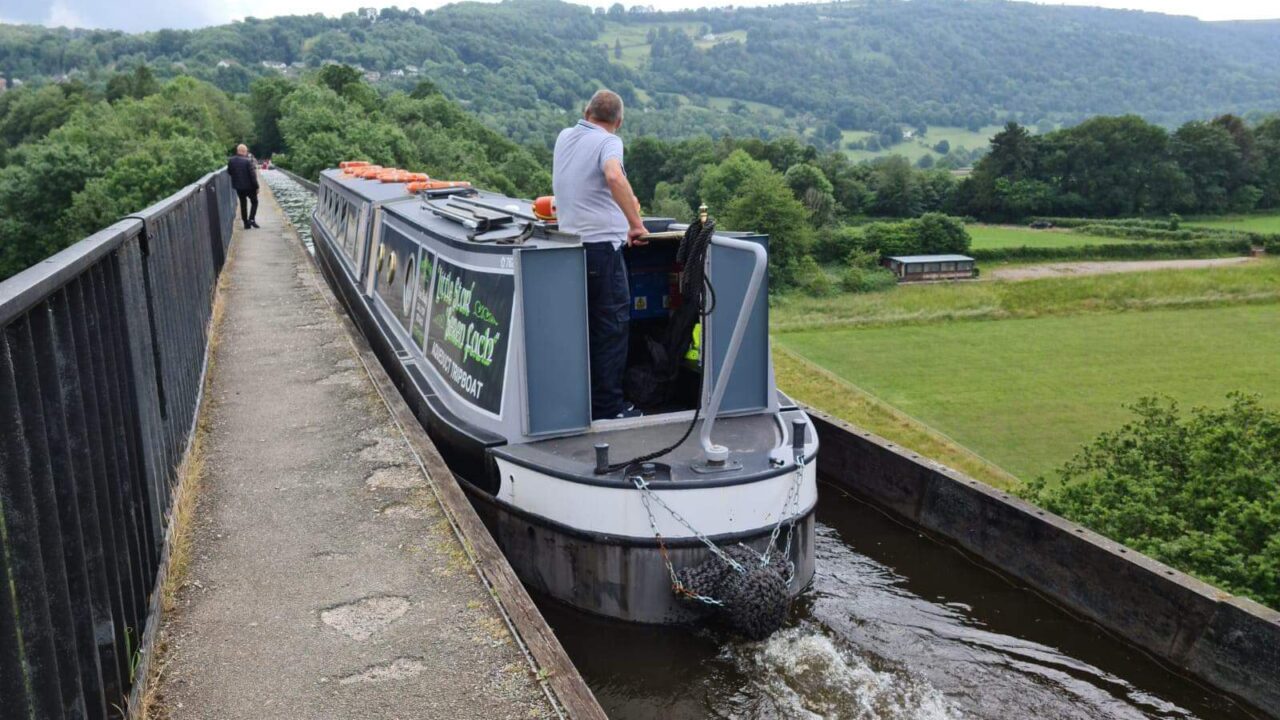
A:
[(244, 178)]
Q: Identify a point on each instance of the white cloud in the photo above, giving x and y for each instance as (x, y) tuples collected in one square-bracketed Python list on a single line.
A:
[(62, 15), (138, 15)]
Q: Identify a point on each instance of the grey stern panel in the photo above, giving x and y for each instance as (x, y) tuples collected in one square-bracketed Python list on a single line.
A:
[(553, 294)]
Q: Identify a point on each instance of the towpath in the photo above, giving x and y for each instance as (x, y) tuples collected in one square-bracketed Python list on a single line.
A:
[(325, 580)]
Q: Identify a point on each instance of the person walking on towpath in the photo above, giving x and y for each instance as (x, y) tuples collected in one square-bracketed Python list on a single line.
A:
[(594, 201), (244, 178)]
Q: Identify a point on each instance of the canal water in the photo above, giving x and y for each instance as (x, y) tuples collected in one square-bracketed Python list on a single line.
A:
[(296, 201), (895, 626)]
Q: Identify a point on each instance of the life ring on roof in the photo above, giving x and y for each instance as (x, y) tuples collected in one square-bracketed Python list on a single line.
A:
[(544, 208), (421, 185)]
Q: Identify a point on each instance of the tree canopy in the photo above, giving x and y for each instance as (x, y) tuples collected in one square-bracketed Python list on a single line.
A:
[(1199, 491), (525, 65)]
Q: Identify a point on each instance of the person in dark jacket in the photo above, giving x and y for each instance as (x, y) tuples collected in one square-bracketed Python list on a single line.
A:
[(244, 178)]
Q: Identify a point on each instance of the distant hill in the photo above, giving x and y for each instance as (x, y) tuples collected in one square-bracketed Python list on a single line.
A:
[(824, 71)]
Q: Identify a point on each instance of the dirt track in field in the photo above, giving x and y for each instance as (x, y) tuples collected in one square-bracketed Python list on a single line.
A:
[(1064, 269)]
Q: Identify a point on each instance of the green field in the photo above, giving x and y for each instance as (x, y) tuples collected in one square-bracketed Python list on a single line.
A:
[(991, 237), (915, 148), (1025, 394), (635, 44), (1254, 282), (1246, 223)]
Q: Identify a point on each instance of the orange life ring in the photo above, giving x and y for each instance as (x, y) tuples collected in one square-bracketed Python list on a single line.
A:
[(420, 185), (544, 208)]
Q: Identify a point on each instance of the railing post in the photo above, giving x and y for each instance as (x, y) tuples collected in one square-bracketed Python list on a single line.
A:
[(213, 219)]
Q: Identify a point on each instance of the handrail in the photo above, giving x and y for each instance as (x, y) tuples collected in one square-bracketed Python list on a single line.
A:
[(103, 348), (718, 454)]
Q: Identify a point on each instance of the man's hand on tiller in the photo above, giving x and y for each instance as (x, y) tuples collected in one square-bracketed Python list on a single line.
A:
[(634, 236)]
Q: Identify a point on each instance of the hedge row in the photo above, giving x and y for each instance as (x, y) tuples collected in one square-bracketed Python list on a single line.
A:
[(1125, 251), (1075, 222), (1147, 233)]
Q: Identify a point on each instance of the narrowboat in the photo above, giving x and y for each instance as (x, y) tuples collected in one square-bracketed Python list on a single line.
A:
[(476, 305)]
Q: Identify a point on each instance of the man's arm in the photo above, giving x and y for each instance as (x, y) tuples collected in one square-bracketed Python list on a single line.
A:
[(620, 189)]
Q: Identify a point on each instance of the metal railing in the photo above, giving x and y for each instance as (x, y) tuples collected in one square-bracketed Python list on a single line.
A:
[(102, 355)]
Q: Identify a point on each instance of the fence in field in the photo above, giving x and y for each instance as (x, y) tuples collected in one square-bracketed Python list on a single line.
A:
[(102, 357)]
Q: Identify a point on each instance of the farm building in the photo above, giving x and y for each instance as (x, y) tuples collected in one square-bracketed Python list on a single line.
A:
[(913, 268)]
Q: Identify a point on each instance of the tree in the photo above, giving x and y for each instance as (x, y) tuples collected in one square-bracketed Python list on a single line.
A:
[(265, 96), (943, 147), (812, 188), (137, 84), (748, 194), (1209, 157), (896, 188), (617, 49), (1200, 491), (668, 203)]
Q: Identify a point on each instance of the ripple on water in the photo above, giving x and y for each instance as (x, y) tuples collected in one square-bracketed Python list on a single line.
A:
[(800, 672)]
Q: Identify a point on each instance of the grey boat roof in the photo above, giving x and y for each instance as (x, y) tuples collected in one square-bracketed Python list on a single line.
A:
[(930, 258), (398, 201)]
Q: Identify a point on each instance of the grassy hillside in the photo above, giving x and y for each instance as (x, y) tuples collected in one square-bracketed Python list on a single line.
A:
[(917, 147)]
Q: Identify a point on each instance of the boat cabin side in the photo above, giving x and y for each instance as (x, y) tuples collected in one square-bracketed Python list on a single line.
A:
[(486, 307)]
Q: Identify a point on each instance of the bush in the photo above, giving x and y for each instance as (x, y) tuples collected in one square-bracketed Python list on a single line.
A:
[(834, 243), (812, 279), (1199, 492), (1150, 233), (928, 234), (864, 280)]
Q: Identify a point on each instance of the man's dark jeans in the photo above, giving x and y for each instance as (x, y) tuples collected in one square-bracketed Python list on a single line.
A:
[(248, 205), (609, 319)]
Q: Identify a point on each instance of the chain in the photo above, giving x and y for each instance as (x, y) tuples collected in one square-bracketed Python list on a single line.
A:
[(793, 497), (646, 493), (677, 586)]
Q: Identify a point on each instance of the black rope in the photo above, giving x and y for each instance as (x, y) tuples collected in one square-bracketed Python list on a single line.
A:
[(695, 286)]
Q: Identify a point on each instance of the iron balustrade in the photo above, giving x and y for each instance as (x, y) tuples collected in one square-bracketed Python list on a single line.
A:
[(102, 358)]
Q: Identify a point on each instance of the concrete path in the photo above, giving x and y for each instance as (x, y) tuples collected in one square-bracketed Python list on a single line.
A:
[(325, 581)]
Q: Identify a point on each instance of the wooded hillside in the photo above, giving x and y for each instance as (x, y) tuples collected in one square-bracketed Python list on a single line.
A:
[(816, 70)]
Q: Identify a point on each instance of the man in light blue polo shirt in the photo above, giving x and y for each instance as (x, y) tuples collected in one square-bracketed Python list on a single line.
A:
[(595, 202)]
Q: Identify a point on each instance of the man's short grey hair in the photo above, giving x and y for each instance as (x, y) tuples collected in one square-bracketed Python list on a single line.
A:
[(242, 149), (605, 106)]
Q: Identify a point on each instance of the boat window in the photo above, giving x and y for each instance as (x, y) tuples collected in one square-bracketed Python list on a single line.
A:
[(351, 230), (410, 282)]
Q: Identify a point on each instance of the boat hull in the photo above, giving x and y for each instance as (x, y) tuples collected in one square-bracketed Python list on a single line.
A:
[(619, 577)]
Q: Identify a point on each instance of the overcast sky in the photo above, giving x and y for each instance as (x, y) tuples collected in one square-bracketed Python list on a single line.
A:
[(137, 15)]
